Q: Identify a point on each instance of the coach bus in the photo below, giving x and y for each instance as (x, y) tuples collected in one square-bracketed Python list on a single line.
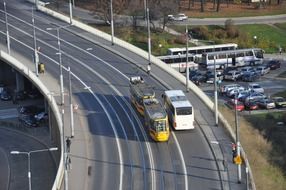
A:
[(179, 109), (197, 51), (178, 62), (233, 58), (139, 91), (156, 120)]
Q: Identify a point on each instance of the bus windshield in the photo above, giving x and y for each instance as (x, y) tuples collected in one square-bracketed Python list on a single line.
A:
[(160, 125), (184, 111), (259, 54)]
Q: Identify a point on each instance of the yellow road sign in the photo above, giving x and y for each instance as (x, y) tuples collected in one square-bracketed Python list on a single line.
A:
[(237, 160)]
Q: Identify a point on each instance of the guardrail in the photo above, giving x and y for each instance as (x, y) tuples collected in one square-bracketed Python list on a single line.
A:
[(52, 102), (158, 63)]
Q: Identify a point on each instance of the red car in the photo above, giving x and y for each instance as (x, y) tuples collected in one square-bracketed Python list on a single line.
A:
[(239, 106), (251, 105)]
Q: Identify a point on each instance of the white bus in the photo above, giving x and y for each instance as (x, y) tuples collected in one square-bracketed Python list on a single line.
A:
[(199, 50), (178, 62), (232, 58), (180, 110)]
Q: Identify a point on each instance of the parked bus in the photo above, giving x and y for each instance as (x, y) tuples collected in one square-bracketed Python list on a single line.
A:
[(156, 120), (139, 91), (199, 50), (178, 62), (233, 58), (179, 109)]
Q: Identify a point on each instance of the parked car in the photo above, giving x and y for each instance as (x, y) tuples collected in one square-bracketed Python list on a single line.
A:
[(246, 69), (254, 96), (33, 94), (28, 110), (242, 95), (227, 87), (232, 75), (178, 17), (199, 78), (29, 121), (239, 106), (2, 87), (254, 87), (21, 95), (250, 76), (279, 102), (211, 77), (5, 95), (232, 93), (41, 116), (274, 64), (251, 105), (192, 73), (266, 103), (263, 70)]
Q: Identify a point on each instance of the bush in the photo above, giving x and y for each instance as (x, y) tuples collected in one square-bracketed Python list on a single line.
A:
[(221, 34), (202, 32)]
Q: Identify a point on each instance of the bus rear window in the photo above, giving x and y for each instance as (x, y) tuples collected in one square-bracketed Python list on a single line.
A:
[(184, 111)]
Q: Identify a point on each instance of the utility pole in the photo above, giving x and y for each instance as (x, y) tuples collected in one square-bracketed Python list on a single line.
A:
[(237, 142), (149, 43), (215, 92), (187, 58), (111, 22), (36, 55), (71, 104), (7, 29), (71, 15)]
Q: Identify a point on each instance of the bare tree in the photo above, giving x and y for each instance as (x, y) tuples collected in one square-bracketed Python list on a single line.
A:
[(202, 5)]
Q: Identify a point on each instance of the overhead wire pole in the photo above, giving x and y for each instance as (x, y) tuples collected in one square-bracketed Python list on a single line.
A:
[(111, 22), (66, 187), (61, 67), (187, 59), (71, 14), (215, 93), (7, 29), (237, 142), (71, 104), (36, 55), (149, 43)]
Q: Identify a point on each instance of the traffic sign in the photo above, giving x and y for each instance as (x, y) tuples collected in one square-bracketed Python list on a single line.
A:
[(238, 160)]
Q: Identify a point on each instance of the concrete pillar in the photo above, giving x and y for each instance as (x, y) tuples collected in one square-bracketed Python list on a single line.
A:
[(19, 82)]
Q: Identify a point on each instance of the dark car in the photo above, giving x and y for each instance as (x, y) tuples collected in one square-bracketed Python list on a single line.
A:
[(28, 110), (5, 95), (250, 76), (34, 94), (29, 121), (274, 64), (251, 105), (21, 95), (192, 73), (199, 78)]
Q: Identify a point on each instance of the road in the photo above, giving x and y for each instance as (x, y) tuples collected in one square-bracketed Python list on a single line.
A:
[(120, 153)]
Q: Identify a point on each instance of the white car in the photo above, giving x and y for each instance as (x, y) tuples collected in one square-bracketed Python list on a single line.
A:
[(232, 93), (263, 70), (228, 87), (178, 17), (254, 87), (232, 75)]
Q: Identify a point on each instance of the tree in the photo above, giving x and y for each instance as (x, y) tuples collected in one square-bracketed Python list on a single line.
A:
[(202, 5)]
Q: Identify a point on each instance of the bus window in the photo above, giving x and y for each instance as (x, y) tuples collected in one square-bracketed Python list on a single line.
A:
[(259, 54), (184, 111), (159, 125), (248, 53), (210, 57), (217, 49), (221, 56), (240, 55)]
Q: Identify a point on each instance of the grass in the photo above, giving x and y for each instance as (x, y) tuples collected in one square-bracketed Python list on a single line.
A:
[(268, 37), (282, 94), (265, 159)]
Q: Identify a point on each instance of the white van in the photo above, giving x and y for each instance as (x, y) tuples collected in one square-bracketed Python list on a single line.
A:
[(232, 75)]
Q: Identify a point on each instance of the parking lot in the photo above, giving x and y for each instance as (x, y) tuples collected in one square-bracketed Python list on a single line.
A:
[(270, 82)]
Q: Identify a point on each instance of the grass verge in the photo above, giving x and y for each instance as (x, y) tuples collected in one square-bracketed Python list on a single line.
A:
[(264, 156)]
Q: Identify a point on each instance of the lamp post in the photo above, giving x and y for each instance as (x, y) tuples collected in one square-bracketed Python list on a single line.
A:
[(36, 55), (149, 42), (111, 23), (255, 40), (237, 142), (215, 92), (71, 104), (70, 7), (60, 61), (187, 58), (29, 160), (7, 29)]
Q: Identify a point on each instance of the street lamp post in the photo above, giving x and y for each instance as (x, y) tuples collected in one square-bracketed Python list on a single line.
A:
[(71, 104), (187, 59), (36, 55), (7, 29), (255, 40), (149, 41), (71, 15), (29, 160), (60, 62), (111, 23), (237, 142), (215, 92)]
